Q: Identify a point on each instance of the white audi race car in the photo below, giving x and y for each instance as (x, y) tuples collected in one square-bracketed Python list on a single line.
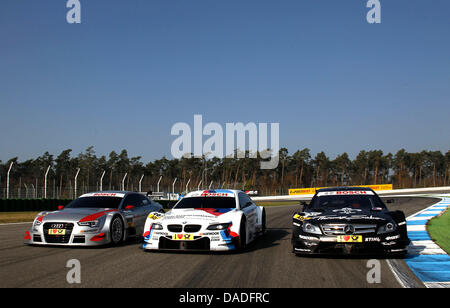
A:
[(93, 219), (211, 220)]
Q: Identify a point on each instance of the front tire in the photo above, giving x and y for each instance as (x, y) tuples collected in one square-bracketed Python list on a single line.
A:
[(263, 223), (243, 235), (116, 231)]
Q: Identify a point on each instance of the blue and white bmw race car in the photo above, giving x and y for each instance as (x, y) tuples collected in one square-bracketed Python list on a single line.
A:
[(216, 220)]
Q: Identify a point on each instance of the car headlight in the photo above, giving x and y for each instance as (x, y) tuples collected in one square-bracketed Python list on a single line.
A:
[(157, 226), (310, 228), (218, 227), (37, 223), (387, 228), (90, 224)]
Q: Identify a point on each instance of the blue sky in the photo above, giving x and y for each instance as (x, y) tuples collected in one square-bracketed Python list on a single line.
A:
[(133, 68)]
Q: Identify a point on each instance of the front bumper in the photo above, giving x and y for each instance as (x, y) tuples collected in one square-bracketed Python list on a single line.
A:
[(201, 241), (305, 243), (74, 236)]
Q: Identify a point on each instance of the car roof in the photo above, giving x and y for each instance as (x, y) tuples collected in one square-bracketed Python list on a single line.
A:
[(345, 188), (121, 194), (198, 193)]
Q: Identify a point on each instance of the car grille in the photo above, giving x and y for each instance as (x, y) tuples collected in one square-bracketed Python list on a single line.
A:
[(175, 228), (58, 239), (339, 229), (192, 228)]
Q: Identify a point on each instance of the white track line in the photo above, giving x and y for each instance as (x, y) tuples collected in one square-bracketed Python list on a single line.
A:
[(16, 223), (403, 280)]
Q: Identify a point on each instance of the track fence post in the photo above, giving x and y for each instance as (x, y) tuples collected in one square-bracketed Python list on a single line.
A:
[(75, 184), (7, 180)]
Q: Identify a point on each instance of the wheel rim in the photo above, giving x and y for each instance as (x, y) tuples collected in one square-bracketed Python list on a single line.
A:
[(116, 233)]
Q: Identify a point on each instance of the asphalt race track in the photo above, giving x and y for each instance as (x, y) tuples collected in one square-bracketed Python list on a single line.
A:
[(266, 263)]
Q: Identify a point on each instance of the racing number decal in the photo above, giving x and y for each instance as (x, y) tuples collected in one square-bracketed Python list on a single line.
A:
[(350, 239), (183, 237), (56, 231)]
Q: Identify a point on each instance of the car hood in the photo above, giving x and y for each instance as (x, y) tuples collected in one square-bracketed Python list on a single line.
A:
[(210, 214), (76, 215), (345, 215)]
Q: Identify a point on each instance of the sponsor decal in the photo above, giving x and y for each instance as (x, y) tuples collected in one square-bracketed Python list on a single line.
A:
[(208, 194), (313, 190), (155, 216), (161, 233), (372, 239), (302, 249), (388, 243), (211, 193), (103, 195), (345, 193), (188, 216), (209, 233), (390, 238), (357, 217), (347, 210), (308, 238), (301, 218)]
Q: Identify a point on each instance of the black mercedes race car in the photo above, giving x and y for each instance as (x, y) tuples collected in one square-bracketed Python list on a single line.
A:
[(348, 220)]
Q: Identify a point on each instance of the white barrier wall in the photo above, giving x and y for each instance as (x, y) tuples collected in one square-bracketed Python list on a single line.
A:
[(432, 190)]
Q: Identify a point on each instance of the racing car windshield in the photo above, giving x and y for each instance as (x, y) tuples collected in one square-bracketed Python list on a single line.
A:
[(95, 202), (206, 203), (333, 202)]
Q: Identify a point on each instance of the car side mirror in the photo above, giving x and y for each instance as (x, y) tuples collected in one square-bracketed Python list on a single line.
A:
[(304, 204), (60, 207), (248, 203), (129, 207)]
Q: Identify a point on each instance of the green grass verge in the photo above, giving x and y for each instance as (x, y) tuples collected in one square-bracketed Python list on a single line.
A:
[(439, 230), (11, 217)]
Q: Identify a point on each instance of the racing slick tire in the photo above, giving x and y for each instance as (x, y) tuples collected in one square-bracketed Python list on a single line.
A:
[(243, 235), (263, 223), (116, 231)]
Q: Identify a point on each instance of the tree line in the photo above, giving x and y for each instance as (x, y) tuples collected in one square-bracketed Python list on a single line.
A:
[(300, 169)]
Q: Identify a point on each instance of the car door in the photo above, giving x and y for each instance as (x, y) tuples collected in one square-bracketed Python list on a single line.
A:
[(143, 209), (134, 213), (250, 211), (148, 206)]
